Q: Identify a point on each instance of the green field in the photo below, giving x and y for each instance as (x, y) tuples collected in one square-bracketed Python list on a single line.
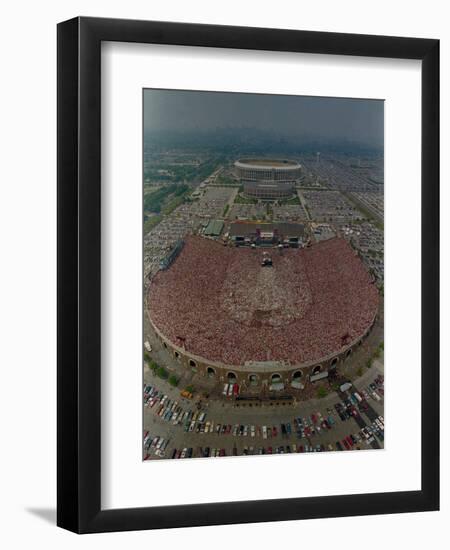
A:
[(244, 200), (158, 201)]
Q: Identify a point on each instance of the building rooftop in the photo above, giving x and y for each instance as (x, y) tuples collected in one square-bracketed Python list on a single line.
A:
[(248, 229), (267, 163), (214, 228)]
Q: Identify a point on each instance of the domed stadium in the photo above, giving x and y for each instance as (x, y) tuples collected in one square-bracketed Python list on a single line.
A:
[(268, 179)]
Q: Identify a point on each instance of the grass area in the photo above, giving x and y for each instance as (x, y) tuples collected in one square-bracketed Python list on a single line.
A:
[(377, 353), (365, 211), (225, 180), (156, 200), (294, 200), (161, 202), (244, 200), (322, 392), (151, 222), (158, 370), (183, 172), (170, 207), (162, 373)]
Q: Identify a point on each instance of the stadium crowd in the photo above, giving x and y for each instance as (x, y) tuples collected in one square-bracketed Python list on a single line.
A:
[(220, 303)]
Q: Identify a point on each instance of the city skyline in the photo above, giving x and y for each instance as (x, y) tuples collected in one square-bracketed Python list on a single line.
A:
[(304, 118)]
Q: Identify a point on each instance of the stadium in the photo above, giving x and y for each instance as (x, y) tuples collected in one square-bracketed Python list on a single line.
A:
[(268, 179), (265, 319)]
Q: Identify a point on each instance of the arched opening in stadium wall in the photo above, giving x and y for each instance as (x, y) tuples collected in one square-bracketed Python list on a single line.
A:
[(276, 382), (317, 369), (192, 363), (296, 380), (231, 377), (349, 352), (253, 380), (211, 373)]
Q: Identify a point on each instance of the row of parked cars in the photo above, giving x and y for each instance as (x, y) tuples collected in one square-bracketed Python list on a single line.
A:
[(154, 445), (306, 426), (350, 442), (170, 410), (365, 435), (186, 452), (314, 424), (347, 409), (356, 402), (375, 390)]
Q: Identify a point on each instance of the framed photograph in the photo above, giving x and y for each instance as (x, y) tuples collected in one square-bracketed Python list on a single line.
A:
[(248, 275)]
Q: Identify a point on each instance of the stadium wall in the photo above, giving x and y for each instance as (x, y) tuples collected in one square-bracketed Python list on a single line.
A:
[(266, 373)]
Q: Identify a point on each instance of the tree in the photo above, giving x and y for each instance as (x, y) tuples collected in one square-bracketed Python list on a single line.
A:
[(162, 373), (322, 392), (153, 366), (173, 380)]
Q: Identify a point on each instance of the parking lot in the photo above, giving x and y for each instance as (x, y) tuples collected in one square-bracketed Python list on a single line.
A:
[(176, 427)]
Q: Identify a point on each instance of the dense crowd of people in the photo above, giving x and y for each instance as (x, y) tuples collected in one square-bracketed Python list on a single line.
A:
[(222, 304)]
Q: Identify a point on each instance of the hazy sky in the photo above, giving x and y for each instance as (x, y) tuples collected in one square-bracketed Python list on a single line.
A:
[(359, 120)]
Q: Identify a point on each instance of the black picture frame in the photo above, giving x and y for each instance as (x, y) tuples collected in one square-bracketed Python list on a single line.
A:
[(79, 281)]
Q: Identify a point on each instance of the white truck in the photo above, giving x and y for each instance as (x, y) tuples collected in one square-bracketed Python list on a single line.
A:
[(147, 346)]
